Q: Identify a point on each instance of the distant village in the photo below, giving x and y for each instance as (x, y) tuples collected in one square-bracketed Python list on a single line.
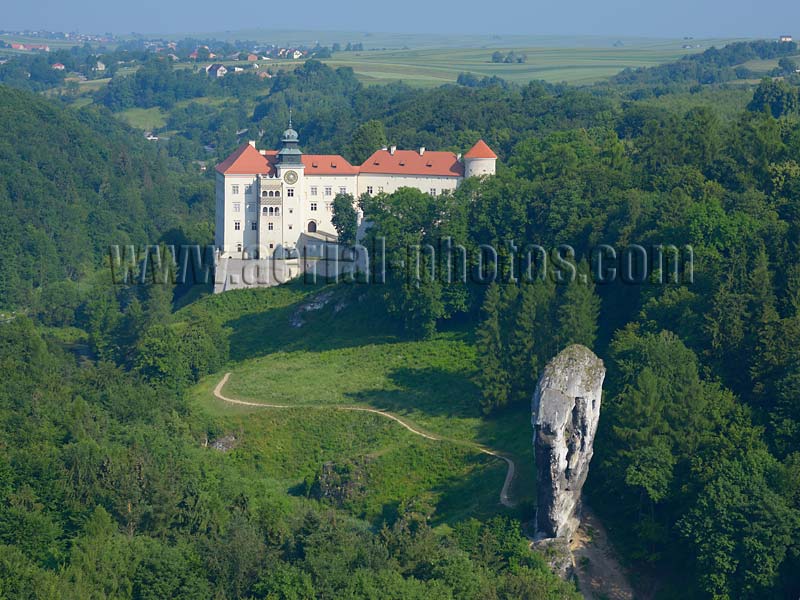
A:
[(77, 57), (179, 51)]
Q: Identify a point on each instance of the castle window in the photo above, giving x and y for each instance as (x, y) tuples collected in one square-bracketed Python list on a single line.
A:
[(264, 210), (271, 194), (433, 191), (237, 207), (234, 189), (369, 190), (269, 226), (277, 193), (264, 194), (254, 225), (237, 225), (271, 246), (238, 247), (290, 227), (290, 192), (328, 191), (342, 190), (313, 190), (313, 206), (312, 227), (277, 211)]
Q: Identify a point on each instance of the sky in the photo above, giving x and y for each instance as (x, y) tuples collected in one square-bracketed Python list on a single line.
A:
[(676, 18)]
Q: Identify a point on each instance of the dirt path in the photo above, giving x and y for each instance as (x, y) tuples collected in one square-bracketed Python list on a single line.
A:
[(599, 573), (505, 498)]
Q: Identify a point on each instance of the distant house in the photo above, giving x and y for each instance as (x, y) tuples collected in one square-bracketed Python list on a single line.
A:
[(18, 46), (216, 70), (297, 54), (252, 57), (236, 69), (58, 67), (100, 66), (264, 75), (785, 38)]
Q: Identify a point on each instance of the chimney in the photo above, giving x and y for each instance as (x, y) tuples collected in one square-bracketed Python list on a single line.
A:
[(392, 150), (253, 143), (421, 150), (262, 152), (458, 156)]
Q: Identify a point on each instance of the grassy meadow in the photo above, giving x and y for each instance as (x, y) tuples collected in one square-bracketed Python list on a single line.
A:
[(579, 64), (342, 356)]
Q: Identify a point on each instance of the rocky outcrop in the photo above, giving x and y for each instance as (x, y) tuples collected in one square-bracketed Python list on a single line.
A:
[(566, 410)]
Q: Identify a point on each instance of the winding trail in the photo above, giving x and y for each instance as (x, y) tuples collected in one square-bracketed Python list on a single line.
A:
[(505, 500)]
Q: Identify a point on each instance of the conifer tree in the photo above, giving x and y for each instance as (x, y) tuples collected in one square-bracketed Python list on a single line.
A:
[(768, 355), (493, 378), (530, 339), (578, 312)]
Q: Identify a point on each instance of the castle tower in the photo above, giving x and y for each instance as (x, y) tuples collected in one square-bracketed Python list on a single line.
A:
[(290, 171), (290, 156), (479, 160)]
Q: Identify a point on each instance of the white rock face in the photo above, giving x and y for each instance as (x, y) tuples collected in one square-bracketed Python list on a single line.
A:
[(565, 413)]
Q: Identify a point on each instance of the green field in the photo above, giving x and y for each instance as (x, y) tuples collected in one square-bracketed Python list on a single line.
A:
[(144, 118), (436, 66), (346, 357), (578, 64)]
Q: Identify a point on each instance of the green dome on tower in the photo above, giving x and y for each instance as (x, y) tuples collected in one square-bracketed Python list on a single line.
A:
[(290, 153)]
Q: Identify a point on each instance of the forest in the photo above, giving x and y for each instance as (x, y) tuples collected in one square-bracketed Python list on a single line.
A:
[(105, 490)]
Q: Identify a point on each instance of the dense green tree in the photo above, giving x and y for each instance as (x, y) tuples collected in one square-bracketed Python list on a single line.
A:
[(578, 311), (493, 377), (775, 97), (367, 138), (345, 218)]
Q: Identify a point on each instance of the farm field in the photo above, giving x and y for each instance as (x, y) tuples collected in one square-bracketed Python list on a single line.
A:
[(577, 65)]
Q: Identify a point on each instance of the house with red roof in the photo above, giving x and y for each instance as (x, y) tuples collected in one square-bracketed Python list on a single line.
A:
[(268, 200)]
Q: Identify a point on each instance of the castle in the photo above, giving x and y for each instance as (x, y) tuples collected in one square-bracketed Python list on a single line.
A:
[(271, 199)]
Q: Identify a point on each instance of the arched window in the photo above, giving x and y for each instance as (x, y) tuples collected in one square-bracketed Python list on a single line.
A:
[(264, 194), (263, 210), (312, 227), (271, 194), (277, 211), (238, 247), (277, 193)]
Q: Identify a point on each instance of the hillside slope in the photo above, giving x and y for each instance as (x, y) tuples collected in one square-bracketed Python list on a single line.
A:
[(71, 183)]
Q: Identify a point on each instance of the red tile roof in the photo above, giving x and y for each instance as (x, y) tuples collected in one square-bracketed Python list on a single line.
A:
[(410, 162), (480, 150), (327, 164), (245, 160)]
